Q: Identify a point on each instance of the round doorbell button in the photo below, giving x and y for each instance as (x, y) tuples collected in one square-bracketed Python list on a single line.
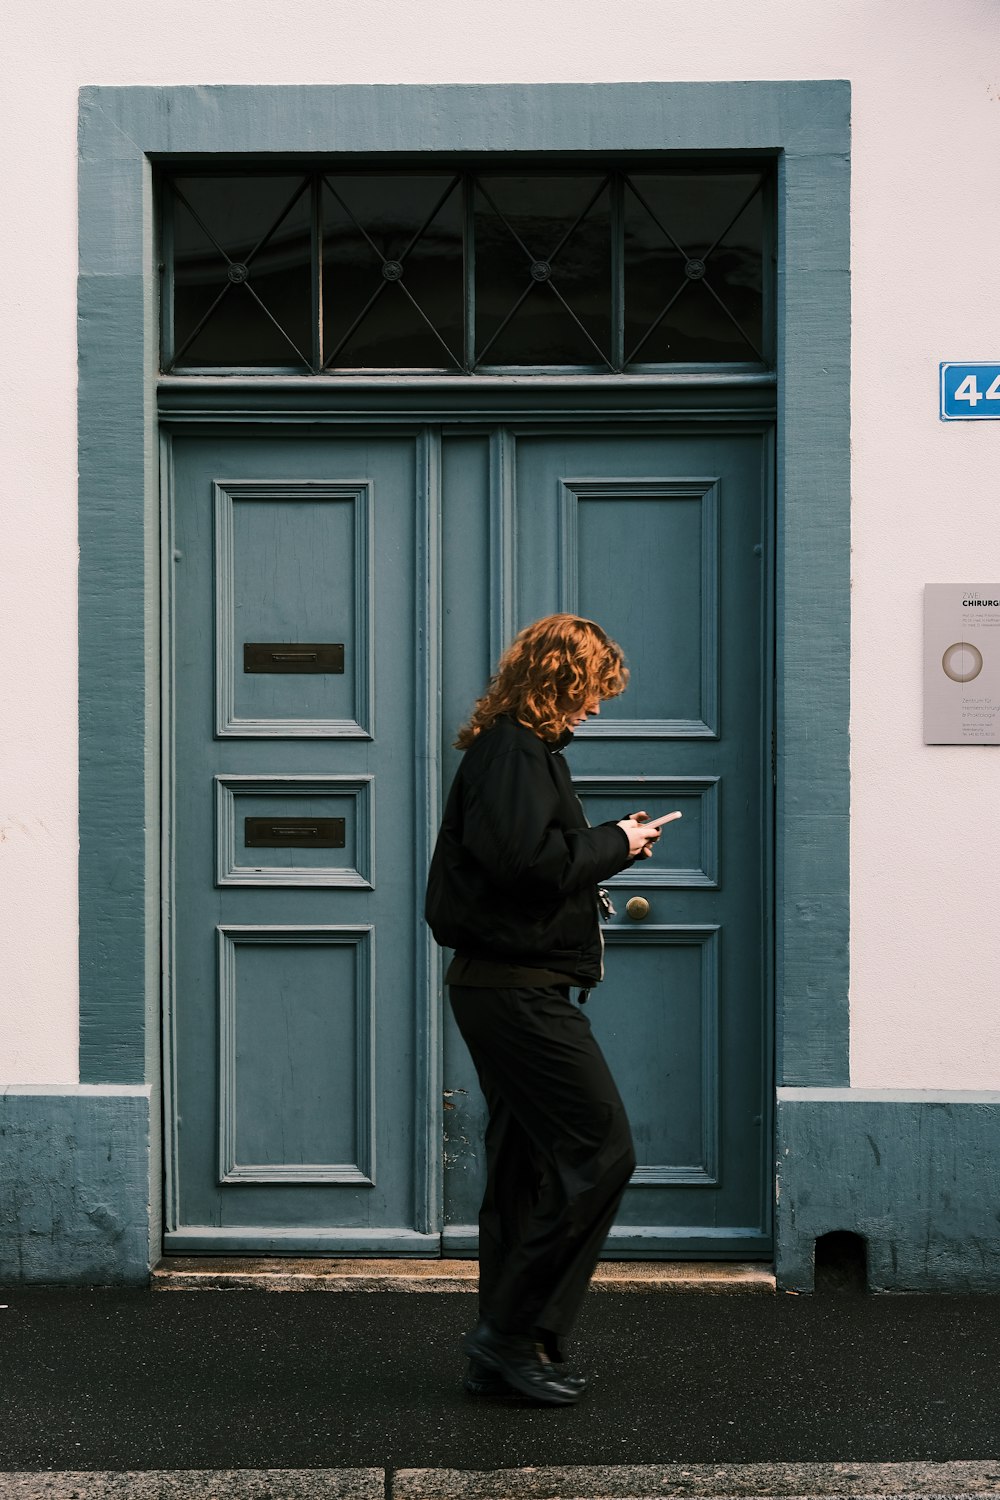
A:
[(962, 661)]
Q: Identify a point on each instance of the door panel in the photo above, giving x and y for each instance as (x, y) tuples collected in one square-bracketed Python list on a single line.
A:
[(296, 1082), (661, 537), (658, 1024), (291, 568), (296, 1054), (643, 555)]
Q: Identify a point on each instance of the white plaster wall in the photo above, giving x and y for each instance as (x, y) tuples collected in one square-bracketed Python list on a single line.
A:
[(926, 147)]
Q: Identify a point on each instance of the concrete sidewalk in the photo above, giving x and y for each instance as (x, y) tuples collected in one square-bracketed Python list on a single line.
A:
[(118, 1383), (686, 1482)]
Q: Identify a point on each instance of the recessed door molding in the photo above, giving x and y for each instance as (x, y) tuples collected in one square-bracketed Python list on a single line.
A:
[(230, 870), (661, 792), (233, 940), (575, 493), (705, 939), (360, 499)]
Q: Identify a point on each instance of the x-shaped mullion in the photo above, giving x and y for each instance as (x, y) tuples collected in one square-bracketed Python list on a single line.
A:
[(227, 286), (265, 239), (593, 342), (630, 358), (746, 201), (401, 258), (367, 308), (661, 227), (505, 221), (406, 291), (734, 320), (196, 216), (424, 226), (718, 241), (268, 314), (481, 354), (524, 295), (549, 259), (376, 294), (571, 230), (704, 279)]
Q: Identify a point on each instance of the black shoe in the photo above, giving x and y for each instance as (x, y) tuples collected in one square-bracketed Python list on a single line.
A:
[(480, 1380), (518, 1361)]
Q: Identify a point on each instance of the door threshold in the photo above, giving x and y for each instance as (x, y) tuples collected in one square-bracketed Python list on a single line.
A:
[(232, 1273)]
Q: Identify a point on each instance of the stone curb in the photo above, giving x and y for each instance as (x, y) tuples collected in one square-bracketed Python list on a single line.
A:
[(705, 1481), (898, 1481), (197, 1484)]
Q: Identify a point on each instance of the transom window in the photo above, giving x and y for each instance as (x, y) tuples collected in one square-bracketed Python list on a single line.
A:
[(332, 272)]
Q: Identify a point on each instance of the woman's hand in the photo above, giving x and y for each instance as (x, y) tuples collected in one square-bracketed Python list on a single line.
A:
[(640, 839)]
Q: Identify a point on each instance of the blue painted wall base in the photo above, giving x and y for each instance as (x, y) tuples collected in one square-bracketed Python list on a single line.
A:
[(916, 1173), (74, 1185)]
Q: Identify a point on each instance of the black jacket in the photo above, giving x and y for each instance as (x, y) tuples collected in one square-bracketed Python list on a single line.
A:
[(516, 868)]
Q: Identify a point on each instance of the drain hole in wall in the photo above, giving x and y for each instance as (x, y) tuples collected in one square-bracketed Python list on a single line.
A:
[(841, 1262)]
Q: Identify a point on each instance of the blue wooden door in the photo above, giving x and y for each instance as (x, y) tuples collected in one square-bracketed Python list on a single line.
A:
[(293, 1080), (302, 1085), (662, 536)]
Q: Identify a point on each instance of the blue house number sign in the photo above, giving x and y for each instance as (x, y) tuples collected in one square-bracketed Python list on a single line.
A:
[(969, 391)]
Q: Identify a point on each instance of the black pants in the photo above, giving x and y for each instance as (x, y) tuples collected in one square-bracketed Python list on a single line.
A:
[(558, 1155)]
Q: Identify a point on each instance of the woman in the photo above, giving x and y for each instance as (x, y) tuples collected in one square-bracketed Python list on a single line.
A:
[(513, 889)]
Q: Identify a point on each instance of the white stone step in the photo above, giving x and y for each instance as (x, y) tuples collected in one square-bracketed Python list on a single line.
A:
[(186, 1273)]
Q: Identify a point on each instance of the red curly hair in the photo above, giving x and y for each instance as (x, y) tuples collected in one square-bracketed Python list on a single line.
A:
[(546, 675)]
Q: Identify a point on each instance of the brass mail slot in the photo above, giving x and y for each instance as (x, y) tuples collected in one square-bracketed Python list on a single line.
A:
[(293, 656), (294, 833)]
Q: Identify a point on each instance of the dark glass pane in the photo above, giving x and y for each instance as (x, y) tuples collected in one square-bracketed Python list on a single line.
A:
[(233, 215), (367, 223), (394, 267), (681, 219), (523, 222)]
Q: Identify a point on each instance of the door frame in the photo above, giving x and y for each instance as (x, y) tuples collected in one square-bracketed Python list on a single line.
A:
[(124, 133)]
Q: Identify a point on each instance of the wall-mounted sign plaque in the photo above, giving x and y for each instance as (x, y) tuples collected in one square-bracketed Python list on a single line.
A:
[(969, 391), (962, 664)]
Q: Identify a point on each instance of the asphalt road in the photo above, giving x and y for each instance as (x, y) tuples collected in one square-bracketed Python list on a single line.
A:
[(213, 1380)]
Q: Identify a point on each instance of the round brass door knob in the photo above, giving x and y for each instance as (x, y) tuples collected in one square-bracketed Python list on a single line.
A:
[(637, 907)]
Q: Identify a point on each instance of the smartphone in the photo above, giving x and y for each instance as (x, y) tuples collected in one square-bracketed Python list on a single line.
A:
[(658, 822)]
